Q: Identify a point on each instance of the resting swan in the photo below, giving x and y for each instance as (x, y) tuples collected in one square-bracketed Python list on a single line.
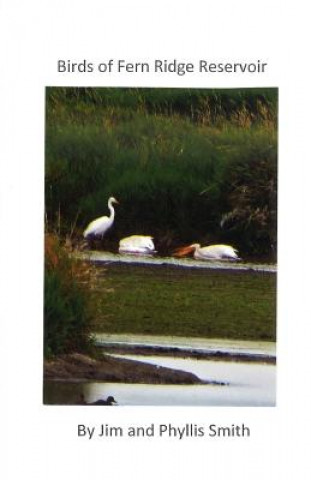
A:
[(212, 252), (137, 244)]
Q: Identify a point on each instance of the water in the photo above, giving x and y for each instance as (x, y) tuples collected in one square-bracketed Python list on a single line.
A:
[(187, 345), (245, 384), (143, 259)]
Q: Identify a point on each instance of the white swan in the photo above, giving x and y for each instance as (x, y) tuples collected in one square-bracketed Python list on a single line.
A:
[(137, 244), (212, 252), (100, 225)]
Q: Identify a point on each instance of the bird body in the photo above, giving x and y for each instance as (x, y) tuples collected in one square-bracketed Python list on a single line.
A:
[(211, 252), (137, 244), (109, 402), (100, 225)]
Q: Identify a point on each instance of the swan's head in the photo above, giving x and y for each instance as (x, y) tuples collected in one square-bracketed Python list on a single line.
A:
[(183, 251), (112, 200), (195, 246)]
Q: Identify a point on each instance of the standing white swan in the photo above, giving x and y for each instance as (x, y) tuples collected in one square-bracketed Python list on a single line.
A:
[(137, 244), (212, 252), (100, 225)]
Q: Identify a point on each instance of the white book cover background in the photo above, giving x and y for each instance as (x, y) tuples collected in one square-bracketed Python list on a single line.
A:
[(42, 442)]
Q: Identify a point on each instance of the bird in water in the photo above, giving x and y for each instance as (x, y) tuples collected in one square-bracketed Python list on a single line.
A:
[(211, 252), (110, 401), (99, 226), (137, 244)]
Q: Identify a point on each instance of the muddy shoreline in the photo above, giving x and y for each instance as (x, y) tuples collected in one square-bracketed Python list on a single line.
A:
[(106, 368), (77, 367)]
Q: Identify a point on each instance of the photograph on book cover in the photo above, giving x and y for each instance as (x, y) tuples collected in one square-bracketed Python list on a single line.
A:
[(160, 246)]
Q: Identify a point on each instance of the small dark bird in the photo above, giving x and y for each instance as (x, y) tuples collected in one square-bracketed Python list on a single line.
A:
[(110, 401)]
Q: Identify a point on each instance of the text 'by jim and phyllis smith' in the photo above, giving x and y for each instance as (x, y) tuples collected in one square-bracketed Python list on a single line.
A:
[(164, 430)]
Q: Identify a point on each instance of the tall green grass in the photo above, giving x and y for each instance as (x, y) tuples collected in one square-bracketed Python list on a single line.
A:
[(200, 105), (67, 309), (186, 165)]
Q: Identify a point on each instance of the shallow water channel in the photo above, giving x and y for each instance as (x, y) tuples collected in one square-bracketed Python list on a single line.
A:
[(143, 259), (246, 384), (236, 383)]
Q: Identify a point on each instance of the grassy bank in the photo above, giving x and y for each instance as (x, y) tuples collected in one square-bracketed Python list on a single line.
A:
[(67, 309), (186, 165), (196, 303)]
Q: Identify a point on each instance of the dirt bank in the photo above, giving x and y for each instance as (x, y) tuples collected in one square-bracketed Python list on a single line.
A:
[(74, 367)]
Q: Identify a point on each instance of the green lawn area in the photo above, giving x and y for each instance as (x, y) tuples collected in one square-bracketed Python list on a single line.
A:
[(186, 302)]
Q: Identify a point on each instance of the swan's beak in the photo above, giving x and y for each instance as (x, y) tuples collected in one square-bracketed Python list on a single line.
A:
[(183, 251)]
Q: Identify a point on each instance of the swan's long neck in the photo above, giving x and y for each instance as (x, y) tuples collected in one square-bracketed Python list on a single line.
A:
[(111, 209)]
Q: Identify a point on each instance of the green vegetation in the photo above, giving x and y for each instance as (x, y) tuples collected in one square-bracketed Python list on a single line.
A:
[(213, 106), (66, 305), (186, 165), (195, 302)]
